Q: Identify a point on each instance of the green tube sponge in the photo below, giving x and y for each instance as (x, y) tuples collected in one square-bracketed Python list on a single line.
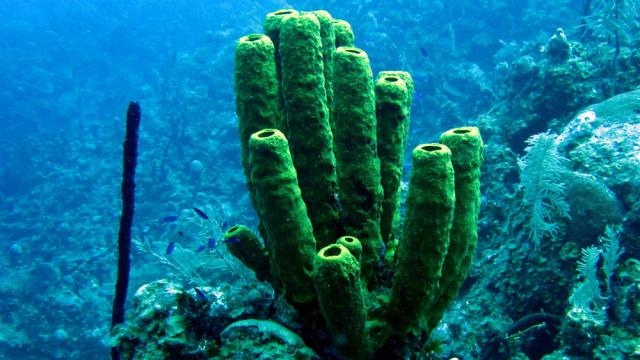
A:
[(466, 148), (392, 112), (352, 244), (246, 247), (425, 237), (256, 89), (328, 35), (309, 132), (337, 277), (290, 235), (408, 80), (406, 77), (272, 24), (356, 153), (344, 33)]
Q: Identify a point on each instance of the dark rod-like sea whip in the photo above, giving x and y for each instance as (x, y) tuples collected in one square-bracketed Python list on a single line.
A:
[(129, 161)]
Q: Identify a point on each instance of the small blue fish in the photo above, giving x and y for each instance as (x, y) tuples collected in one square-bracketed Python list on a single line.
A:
[(168, 219), (211, 243), (201, 248), (201, 213), (225, 224), (180, 233), (171, 247), (201, 295), (231, 240)]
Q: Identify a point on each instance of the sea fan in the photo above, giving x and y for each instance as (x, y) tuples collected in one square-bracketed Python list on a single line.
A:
[(589, 305), (587, 300), (612, 20), (611, 251), (540, 172)]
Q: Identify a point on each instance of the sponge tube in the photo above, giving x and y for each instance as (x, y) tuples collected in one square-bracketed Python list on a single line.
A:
[(392, 112), (425, 237), (352, 244), (272, 25), (245, 246), (328, 36), (408, 80), (466, 147), (344, 33), (256, 89), (341, 302), (284, 214), (356, 153), (308, 129)]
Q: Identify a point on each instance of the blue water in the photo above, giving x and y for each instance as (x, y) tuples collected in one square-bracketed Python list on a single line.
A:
[(67, 72)]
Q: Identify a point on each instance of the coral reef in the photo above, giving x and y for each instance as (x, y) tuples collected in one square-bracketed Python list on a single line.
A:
[(70, 67), (594, 141), (550, 81), (173, 322), (263, 339)]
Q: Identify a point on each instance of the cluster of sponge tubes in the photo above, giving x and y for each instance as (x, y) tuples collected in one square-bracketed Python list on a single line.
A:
[(322, 151)]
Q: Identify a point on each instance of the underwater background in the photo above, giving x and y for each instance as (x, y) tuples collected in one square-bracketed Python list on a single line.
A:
[(552, 85)]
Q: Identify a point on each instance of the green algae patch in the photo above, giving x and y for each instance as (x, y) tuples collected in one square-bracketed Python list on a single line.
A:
[(356, 154), (281, 208), (344, 33), (392, 112), (466, 148), (308, 129), (337, 281), (425, 237), (246, 247)]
